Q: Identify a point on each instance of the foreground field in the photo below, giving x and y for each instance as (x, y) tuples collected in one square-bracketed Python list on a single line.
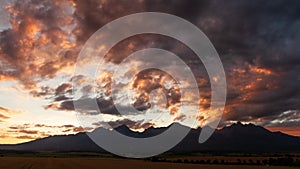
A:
[(106, 163)]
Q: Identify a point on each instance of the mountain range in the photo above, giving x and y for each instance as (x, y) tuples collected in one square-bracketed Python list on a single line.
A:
[(239, 138)]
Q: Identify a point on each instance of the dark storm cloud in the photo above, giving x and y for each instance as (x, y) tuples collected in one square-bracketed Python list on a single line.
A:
[(189, 10), (61, 93), (63, 88), (61, 98), (42, 92), (86, 106), (258, 42), (263, 35), (92, 15), (285, 119)]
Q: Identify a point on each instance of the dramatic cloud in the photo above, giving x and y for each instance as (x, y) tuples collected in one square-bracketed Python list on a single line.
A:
[(39, 42), (260, 56), (258, 43), (87, 106)]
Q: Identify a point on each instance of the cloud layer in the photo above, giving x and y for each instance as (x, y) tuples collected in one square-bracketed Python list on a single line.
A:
[(258, 43)]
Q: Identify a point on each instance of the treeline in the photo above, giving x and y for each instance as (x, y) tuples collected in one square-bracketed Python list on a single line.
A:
[(280, 161)]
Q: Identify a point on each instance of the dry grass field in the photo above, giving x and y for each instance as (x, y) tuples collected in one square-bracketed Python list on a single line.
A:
[(230, 159), (107, 163)]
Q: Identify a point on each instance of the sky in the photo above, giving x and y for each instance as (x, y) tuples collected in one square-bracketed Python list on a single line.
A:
[(257, 41)]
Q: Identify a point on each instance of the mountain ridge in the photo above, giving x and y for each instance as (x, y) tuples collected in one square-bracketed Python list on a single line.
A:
[(235, 138)]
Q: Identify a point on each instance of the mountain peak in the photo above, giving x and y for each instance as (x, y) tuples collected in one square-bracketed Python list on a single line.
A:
[(176, 124), (122, 127), (240, 124)]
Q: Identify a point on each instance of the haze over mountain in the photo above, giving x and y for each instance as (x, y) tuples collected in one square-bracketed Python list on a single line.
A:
[(238, 137)]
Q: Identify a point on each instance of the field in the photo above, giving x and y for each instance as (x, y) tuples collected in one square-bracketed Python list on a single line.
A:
[(108, 163), (229, 159)]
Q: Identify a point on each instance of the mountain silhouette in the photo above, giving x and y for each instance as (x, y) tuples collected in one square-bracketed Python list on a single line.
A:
[(238, 137)]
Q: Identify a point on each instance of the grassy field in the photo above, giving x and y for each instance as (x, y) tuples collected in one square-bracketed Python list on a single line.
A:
[(107, 163), (227, 159)]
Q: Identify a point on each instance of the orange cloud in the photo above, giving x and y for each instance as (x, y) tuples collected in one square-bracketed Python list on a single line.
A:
[(28, 131), (38, 44), (3, 116), (291, 130), (10, 111), (261, 70), (26, 137)]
